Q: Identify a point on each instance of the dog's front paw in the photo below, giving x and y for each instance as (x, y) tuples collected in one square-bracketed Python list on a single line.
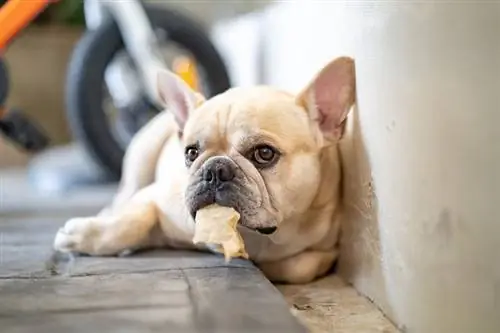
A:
[(77, 235)]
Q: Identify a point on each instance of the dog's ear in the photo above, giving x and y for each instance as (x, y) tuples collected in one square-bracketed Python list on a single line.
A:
[(329, 97), (177, 96)]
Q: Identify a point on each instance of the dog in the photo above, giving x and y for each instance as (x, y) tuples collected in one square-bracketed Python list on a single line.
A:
[(271, 155)]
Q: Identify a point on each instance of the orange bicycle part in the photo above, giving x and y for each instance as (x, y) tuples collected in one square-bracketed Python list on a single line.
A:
[(185, 68), (15, 15)]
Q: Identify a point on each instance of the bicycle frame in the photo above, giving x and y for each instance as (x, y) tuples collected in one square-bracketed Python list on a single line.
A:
[(15, 15), (141, 44), (137, 34)]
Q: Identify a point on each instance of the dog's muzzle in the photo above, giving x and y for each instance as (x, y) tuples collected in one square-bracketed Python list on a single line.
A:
[(220, 182), (216, 184)]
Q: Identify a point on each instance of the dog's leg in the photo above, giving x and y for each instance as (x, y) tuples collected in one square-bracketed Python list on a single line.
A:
[(301, 268), (126, 228), (139, 163)]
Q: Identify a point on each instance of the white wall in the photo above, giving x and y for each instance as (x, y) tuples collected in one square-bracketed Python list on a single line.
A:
[(422, 154), (429, 77)]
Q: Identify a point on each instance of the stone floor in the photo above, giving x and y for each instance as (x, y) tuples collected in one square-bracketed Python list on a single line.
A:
[(331, 305), (150, 292), (154, 291)]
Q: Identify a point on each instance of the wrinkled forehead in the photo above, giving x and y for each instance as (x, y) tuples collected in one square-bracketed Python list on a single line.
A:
[(255, 117)]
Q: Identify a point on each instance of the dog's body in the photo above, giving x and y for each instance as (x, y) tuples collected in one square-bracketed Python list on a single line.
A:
[(270, 155)]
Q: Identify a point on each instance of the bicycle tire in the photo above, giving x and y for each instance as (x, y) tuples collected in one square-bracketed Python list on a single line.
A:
[(85, 77)]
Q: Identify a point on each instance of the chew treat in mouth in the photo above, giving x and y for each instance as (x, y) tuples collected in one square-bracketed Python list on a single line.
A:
[(217, 225)]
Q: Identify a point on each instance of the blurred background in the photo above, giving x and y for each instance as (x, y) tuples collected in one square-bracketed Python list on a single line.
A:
[(38, 60), (56, 73)]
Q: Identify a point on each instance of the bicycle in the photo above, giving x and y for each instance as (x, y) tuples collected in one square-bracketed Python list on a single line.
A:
[(117, 59), (14, 125)]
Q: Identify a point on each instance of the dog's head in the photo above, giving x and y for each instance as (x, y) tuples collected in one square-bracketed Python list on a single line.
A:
[(258, 149)]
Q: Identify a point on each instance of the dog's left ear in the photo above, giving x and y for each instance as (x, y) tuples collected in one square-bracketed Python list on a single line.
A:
[(329, 97), (177, 96)]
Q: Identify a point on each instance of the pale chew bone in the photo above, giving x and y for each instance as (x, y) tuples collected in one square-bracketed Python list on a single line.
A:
[(217, 225)]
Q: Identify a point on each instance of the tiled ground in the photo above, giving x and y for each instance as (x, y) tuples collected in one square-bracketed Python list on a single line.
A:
[(152, 292), (330, 305), (155, 291)]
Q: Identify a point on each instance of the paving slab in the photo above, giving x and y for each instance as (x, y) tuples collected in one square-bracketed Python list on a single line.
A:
[(153, 291), (331, 305), (25, 246), (29, 218)]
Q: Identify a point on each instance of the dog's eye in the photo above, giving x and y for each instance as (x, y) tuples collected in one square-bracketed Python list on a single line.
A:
[(264, 155), (191, 153)]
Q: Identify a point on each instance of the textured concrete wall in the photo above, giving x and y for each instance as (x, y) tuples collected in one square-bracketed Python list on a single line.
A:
[(428, 85), (421, 155)]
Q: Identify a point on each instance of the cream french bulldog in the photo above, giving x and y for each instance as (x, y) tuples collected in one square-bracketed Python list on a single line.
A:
[(270, 155)]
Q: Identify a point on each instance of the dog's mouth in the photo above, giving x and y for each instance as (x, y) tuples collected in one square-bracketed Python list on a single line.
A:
[(266, 230), (261, 230), (227, 197)]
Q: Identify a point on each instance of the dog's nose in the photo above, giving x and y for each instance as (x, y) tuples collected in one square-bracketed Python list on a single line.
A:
[(218, 170)]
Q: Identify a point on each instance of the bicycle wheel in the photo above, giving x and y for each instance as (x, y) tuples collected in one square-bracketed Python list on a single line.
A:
[(85, 95)]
